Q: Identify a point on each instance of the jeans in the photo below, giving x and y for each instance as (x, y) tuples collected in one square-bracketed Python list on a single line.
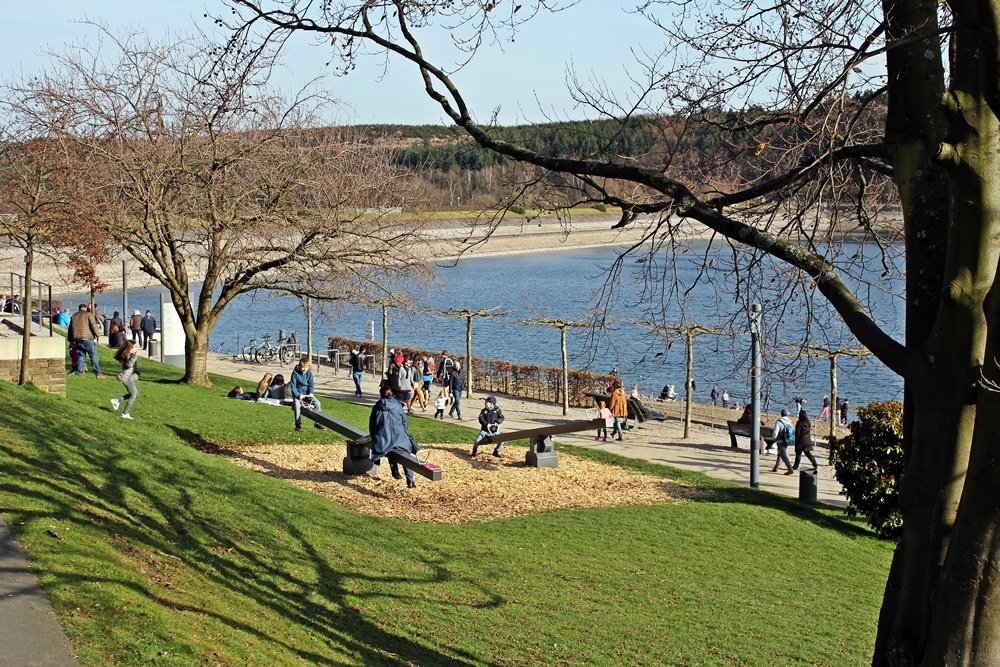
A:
[(133, 393), (808, 455), (357, 382), (88, 347), (782, 456), (394, 467), (456, 407), (617, 428), (297, 408)]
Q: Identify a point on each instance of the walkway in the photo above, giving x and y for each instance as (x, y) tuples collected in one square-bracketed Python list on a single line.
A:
[(30, 634), (707, 451)]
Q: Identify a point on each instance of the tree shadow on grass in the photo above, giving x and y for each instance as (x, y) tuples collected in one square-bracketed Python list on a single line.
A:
[(166, 507)]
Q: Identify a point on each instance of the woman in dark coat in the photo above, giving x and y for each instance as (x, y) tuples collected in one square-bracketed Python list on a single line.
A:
[(804, 441), (389, 427)]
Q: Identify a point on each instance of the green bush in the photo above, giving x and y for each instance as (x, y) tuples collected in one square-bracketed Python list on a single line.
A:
[(869, 464), (517, 210), (601, 207)]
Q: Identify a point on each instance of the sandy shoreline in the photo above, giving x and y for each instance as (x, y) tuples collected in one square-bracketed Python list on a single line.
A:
[(451, 241)]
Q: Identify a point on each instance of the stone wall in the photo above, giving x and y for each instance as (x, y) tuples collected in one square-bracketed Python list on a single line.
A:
[(47, 367)]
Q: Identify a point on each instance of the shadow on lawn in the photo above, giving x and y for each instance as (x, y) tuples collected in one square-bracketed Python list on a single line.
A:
[(156, 509)]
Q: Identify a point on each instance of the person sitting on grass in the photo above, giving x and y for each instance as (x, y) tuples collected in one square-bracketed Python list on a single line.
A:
[(238, 393), (302, 386), (276, 389), (490, 418), (389, 426), (263, 385)]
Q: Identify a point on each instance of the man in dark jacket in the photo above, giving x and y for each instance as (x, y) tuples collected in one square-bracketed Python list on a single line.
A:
[(388, 426), (148, 327), (83, 334), (357, 362), (456, 385), (490, 418)]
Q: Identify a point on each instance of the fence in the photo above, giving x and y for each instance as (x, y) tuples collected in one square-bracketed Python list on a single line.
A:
[(541, 383)]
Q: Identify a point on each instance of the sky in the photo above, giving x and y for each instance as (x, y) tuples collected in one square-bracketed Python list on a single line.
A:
[(524, 82)]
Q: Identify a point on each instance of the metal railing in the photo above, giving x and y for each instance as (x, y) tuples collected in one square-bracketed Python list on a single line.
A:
[(39, 301)]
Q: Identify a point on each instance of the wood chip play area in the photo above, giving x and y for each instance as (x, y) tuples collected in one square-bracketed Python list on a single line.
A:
[(473, 489)]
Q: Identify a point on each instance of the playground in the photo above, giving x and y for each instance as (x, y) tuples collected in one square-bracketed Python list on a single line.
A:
[(477, 489)]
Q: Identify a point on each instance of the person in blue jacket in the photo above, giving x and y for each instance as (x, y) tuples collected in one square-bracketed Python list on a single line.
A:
[(388, 426), (302, 387)]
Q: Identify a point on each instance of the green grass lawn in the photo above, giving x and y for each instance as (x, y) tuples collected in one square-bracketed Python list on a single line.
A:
[(157, 553)]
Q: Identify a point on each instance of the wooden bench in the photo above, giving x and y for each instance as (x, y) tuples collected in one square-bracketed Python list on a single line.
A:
[(742, 428), (359, 452), (542, 452)]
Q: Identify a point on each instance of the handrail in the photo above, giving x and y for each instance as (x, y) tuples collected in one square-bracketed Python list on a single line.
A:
[(20, 289)]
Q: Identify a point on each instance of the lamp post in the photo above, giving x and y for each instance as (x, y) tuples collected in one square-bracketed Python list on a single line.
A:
[(755, 395)]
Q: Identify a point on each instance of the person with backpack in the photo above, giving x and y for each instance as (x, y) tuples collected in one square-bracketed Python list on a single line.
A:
[(784, 436), (804, 441)]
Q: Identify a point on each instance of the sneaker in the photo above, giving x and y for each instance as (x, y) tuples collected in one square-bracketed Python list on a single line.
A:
[(298, 428), (410, 484), (115, 403), (101, 377), (397, 475), (496, 453), (789, 471), (774, 469), (126, 415)]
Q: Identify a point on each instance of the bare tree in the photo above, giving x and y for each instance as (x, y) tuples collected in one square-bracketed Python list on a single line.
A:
[(830, 113), (216, 185)]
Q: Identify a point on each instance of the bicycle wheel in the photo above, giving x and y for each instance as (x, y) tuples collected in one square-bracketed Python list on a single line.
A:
[(248, 352), (287, 353), (265, 355)]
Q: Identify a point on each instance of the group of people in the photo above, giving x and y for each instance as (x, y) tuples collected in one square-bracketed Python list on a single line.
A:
[(412, 379), (11, 305), (799, 437)]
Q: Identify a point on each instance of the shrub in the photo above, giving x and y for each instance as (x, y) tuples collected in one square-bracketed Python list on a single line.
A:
[(601, 207), (869, 464), (517, 210)]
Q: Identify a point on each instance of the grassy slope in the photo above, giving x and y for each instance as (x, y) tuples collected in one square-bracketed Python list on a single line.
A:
[(157, 553)]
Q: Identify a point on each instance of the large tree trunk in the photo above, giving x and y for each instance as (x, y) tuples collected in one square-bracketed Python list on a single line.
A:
[(196, 357)]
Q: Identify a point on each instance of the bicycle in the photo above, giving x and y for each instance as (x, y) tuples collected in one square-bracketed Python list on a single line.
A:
[(288, 349), (265, 353)]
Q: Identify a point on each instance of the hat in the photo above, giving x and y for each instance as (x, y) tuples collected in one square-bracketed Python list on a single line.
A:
[(491, 399), (784, 412)]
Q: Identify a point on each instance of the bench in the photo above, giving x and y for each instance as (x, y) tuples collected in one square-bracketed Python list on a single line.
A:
[(742, 428), (542, 451), (359, 452)]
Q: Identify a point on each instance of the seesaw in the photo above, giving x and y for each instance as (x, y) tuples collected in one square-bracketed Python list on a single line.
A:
[(542, 451)]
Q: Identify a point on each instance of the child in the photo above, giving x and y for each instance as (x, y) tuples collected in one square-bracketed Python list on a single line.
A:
[(440, 403), (490, 418), (603, 413)]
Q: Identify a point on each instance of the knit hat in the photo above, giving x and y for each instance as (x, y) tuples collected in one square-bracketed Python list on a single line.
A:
[(784, 412), (491, 399)]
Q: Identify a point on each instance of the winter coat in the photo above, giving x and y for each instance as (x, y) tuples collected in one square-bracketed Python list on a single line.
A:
[(618, 403), (491, 415), (388, 426), (456, 380), (135, 324), (148, 324), (404, 378), (778, 428), (803, 436), (83, 326), (357, 362)]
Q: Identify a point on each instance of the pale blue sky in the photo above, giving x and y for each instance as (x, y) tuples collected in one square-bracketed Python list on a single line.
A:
[(596, 36)]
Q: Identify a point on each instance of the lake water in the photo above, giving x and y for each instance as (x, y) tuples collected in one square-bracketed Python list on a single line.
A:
[(563, 284)]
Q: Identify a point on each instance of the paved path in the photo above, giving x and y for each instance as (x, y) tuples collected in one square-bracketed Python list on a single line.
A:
[(30, 634), (707, 451)]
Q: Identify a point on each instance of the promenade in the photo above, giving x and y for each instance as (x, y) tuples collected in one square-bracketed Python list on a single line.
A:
[(707, 451)]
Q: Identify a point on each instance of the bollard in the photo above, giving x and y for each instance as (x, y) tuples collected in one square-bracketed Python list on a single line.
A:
[(808, 485), (154, 348)]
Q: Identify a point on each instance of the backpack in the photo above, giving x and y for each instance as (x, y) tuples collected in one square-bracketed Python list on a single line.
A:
[(788, 434)]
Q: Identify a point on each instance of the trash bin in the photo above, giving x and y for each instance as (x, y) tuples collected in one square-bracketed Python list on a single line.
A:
[(154, 350), (107, 326), (808, 485)]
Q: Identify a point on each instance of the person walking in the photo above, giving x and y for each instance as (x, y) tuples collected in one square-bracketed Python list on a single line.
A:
[(725, 398), (619, 408), (844, 409), (490, 418), (417, 380), (83, 334), (302, 386), (714, 395), (388, 426), (456, 385), (357, 362), (428, 376), (824, 414), (129, 376), (148, 326), (440, 403), (404, 384), (135, 324), (784, 435), (803, 441)]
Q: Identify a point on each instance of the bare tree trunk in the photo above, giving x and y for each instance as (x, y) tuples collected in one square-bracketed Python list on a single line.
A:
[(385, 339), (468, 356), (196, 359), (834, 414), (24, 376), (565, 371), (309, 328), (689, 394)]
